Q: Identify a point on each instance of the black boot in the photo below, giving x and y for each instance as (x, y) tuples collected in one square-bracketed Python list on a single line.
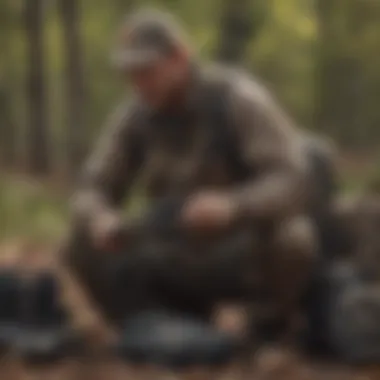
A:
[(46, 335), (10, 297), (173, 341)]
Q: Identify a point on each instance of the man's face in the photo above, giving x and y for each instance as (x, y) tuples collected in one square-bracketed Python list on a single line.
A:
[(157, 82)]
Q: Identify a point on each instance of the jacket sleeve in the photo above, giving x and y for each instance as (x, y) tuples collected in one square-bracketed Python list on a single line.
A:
[(111, 169), (272, 148)]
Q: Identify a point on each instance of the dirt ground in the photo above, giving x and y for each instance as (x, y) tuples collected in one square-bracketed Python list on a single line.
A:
[(269, 363), (274, 366)]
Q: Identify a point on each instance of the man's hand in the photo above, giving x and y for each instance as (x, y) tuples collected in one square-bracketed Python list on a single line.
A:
[(106, 232), (208, 211)]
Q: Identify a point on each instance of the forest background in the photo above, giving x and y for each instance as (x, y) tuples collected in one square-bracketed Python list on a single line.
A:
[(320, 58)]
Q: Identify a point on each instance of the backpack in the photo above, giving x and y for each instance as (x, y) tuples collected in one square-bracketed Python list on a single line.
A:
[(353, 310)]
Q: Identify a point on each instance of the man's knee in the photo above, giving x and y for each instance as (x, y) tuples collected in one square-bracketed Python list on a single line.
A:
[(293, 257), (296, 239)]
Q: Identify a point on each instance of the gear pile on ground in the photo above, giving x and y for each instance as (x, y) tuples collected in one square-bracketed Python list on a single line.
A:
[(34, 325)]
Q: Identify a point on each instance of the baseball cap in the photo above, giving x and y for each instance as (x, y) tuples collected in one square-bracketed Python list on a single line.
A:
[(145, 37)]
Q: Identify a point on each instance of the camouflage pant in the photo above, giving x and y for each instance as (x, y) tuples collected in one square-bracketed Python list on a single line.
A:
[(266, 267)]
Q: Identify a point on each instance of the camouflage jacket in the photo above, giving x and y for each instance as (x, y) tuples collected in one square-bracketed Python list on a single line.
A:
[(169, 151)]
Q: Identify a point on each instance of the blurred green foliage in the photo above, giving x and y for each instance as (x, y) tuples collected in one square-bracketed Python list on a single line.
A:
[(30, 211), (288, 53)]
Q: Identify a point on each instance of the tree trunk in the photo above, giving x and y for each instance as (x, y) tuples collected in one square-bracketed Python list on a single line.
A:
[(7, 128), (74, 81), (339, 78), (7, 124), (125, 5), (37, 135), (240, 22), (328, 78)]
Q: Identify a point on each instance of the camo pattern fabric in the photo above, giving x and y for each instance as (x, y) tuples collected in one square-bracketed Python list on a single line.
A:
[(169, 151)]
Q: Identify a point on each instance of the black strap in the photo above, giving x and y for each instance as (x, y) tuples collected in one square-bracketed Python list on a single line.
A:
[(224, 140)]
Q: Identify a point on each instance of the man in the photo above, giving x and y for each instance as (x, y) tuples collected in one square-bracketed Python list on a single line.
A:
[(210, 134)]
